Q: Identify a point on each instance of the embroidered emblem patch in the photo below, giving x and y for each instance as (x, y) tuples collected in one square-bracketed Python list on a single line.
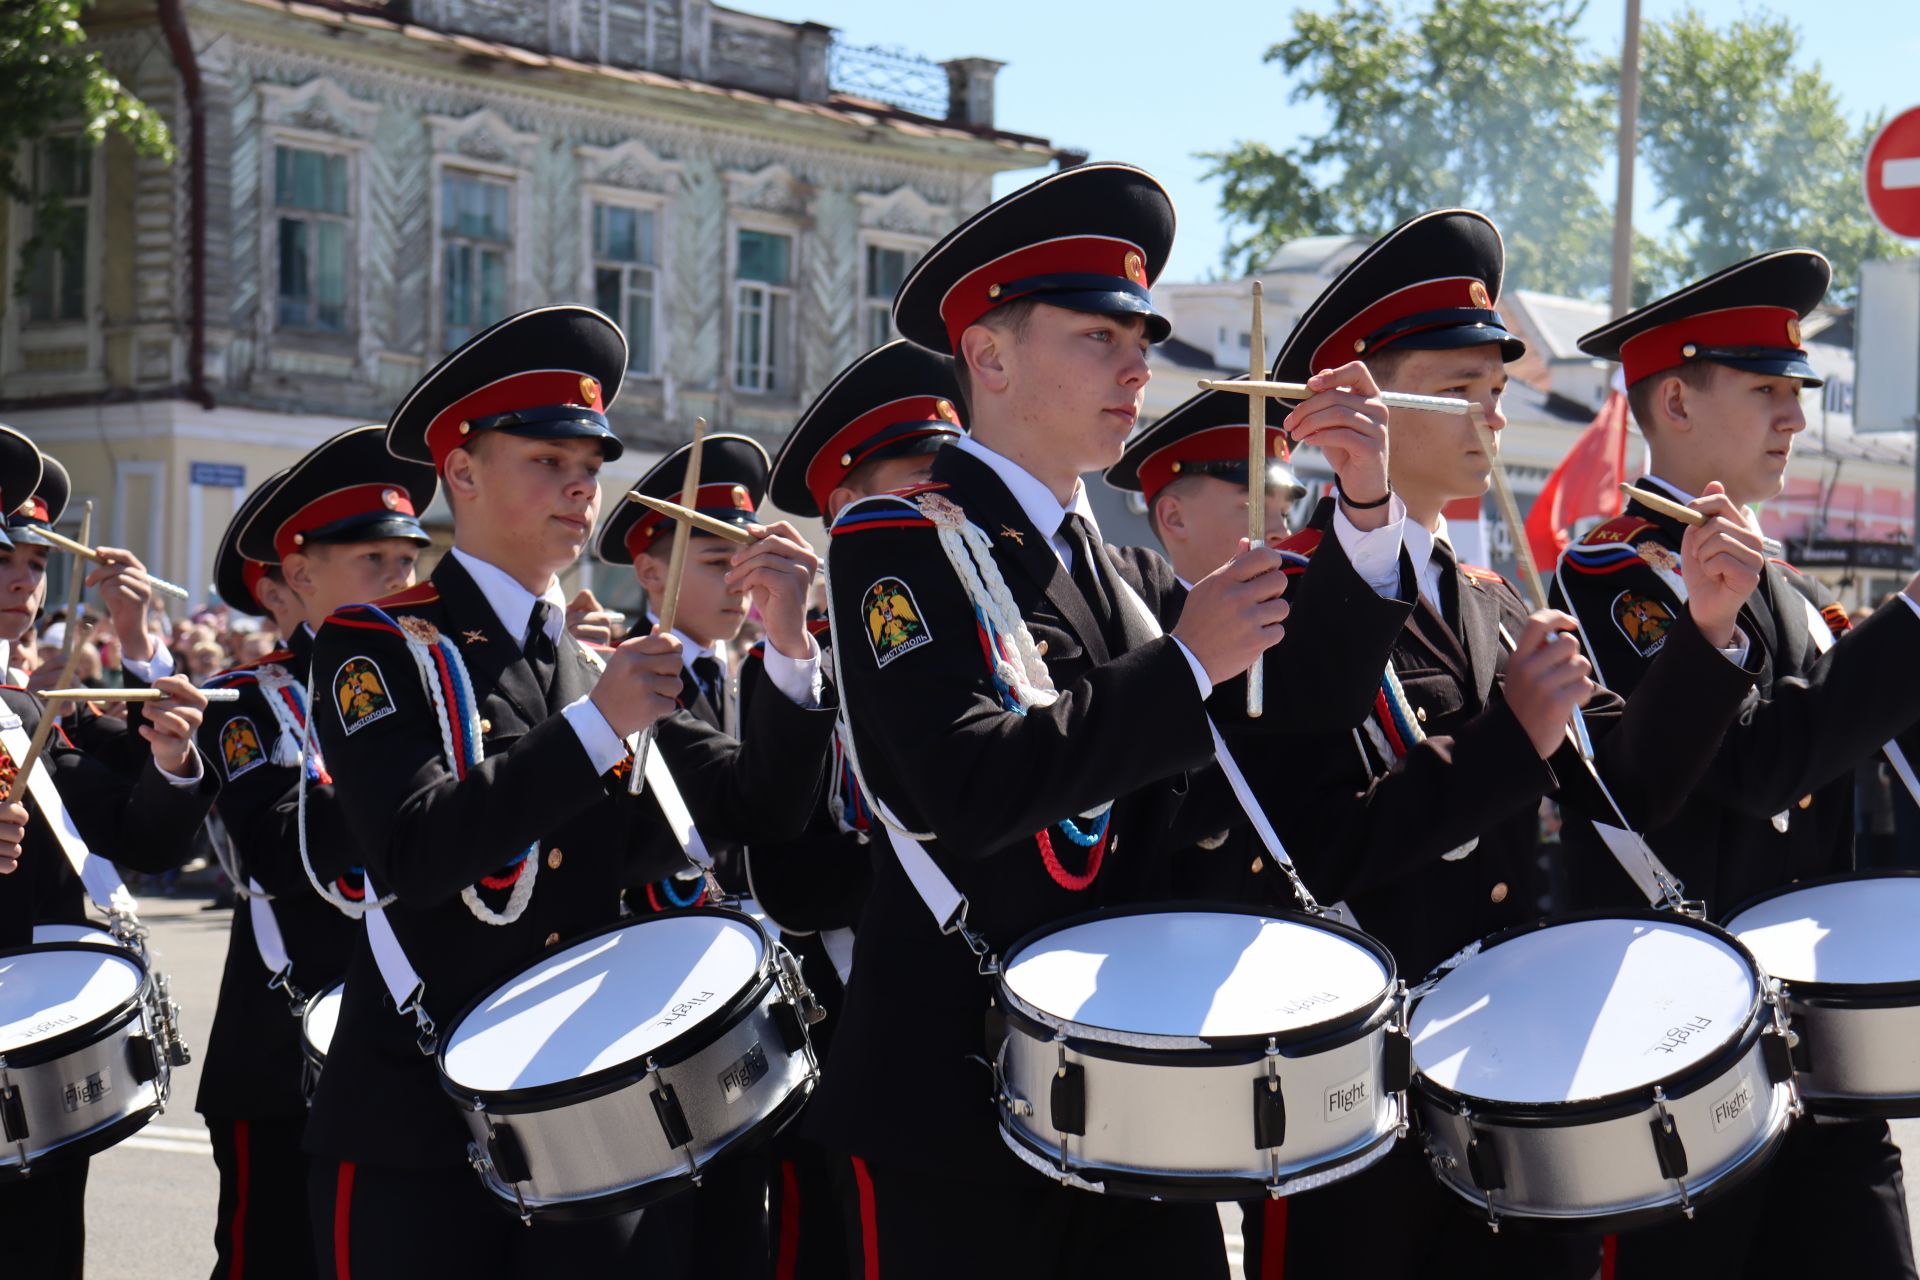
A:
[(360, 694), (894, 626), (1663, 558), (240, 748), (1643, 620)]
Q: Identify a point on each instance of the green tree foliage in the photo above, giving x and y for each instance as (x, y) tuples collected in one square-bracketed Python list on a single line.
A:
[(53, 83), (1485, 103), (1750, 151)]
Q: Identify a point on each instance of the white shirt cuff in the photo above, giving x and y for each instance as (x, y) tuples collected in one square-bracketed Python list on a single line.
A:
[(603, 746), (1199, 672), (1375, 553), (188, 780), (1738, 650), (798, 678), (157, 667)]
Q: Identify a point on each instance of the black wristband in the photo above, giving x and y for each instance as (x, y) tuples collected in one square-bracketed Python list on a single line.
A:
[(1380, 501)]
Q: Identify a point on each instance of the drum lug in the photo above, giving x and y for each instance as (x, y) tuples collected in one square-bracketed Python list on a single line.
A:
[(1483, 1167), (13, 1117), (143, 1059), (1269, 1103), (484, 1166), (1669, 1149), (673, 1120)]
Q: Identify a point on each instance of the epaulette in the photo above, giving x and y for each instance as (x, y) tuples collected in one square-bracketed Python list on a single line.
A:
[(915, 490), (882, 511), (1620, 530), (419, 593), (246, 670), (1835, 616), (1604, 557), (1297, 551), (1479, 574)]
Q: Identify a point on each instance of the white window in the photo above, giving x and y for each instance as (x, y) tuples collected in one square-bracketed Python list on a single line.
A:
[(886, 267), (57, 278), (476, 248), (626, 279), (314, 235), (763, 312)]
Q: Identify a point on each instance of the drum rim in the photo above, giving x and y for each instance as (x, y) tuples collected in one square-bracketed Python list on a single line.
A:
[(1149, 1046), (1837, 995), (87, 1032), (538, 1097), (1621, 1102), (314, 1054)]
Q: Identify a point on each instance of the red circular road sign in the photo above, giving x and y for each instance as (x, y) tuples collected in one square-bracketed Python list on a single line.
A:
[(1893, 175)]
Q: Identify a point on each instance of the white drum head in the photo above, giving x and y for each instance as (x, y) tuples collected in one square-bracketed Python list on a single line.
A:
[(1196, 974), (1581, 1010), (608, 1000), (44, 994), (72, 933), (322, 1016), (1852, 931)]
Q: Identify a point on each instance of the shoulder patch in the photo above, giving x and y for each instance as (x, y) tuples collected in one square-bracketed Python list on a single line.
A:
[(894, 626), (1643, 619), (885, 511), (240, 749), (1479, 574), (1605, 557), (360, 694)]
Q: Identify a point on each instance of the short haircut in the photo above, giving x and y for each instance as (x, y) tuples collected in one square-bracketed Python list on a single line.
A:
[(1010, 318), (1175, 487), (1385, 365), (1698, 374)]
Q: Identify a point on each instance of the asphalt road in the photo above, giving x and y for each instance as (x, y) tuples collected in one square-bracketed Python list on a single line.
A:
[(151, 1200)]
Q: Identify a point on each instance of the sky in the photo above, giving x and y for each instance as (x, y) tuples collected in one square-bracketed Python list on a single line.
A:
[(1155, 83)]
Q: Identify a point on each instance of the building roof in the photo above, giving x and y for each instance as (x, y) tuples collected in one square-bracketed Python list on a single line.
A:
[(1552, 324), (1321, 255)]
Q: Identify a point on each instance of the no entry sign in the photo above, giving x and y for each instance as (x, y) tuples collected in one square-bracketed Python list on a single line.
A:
[(1893, 175)]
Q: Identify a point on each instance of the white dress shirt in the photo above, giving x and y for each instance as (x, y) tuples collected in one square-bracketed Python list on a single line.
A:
[(1040, 507), (798, 678)]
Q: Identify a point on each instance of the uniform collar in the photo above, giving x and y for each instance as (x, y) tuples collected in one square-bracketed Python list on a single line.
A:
[(1666, 489), (511, 602), (1419, 543), (1036, 501), (691, 650)]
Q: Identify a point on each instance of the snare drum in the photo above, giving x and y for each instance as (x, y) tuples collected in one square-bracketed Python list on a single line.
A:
[(317, 1022), (1846, 953), (1211, 1053), (1601, 1070), (44, 933), (612, 1072), (82, 1062)]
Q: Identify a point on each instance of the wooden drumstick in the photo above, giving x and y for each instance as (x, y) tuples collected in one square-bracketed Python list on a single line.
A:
[(1300, 391), (65, 543), (687, 515), (1257, 480), (131, 695), (70, 657), (670, 595), (1664, 505)]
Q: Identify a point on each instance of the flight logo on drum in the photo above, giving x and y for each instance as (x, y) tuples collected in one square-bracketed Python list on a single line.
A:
[(685, 1007), (1734, 1107), (1343, 1100), (747, 1071), (87, 1092), (1307, 1003), (1677, 1037)]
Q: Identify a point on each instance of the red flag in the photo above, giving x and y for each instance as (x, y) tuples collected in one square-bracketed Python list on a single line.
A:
[(1586, 483)]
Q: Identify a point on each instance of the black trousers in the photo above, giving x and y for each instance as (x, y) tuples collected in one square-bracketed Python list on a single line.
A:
[(376, 1223), (1831, 1204), (263, 1228), (807, 1233), (1395, 1220), (43, 1222), (717, 1231), (913, 1225)]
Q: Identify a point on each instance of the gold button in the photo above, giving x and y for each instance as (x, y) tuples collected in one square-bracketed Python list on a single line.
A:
[(486, 726), (1499, 893), (552, 938), (1259, 864), (1420, 714), (1041, 649), (554, 858), (1806, 802)]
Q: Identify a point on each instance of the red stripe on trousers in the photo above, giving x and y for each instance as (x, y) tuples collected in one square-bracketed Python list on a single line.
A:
[(787, 1261), (237, 1250), (1609, 1253), (1273, 1239), (869, 1226), (342, 1217)]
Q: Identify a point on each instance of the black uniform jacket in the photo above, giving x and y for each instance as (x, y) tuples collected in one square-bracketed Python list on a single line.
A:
[(1380, 837), (425, 835), (145, 823), (1791, 752), (904, 1084), (252, 1065)]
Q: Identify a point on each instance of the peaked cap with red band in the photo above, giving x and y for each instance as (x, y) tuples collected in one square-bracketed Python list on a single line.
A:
[(20, 470), (350, 489), (1091, 238), (1430, 284), (733, 480), (1747, 316), (43, 510), (896, 401), (549, 374), (235, 577), (1206, 435)]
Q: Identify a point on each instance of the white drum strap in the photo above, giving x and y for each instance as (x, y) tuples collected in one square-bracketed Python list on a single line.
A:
[(666, 792), (839, 945), (102, 881), (402, 981), (268, 941), (1823, 641)]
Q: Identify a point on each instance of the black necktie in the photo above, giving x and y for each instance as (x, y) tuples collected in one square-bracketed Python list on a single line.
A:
[(1449, 592), (706, 674), (1086, 570), (538, 646)]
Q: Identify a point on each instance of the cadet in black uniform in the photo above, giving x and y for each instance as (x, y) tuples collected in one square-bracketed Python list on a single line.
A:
[(497, 856), (147, 823), (999, 709), (352, 506), (1714, 373), (1422, 815)]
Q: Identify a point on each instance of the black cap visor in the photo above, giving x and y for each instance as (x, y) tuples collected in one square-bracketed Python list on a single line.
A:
[(1454, 337), (369, 528), (1105, 302), (1774, 362)]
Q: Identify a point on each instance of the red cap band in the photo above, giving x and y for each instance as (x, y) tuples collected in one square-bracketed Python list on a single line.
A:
[(1353, 340), (845, 450), (251, 574), (1668, 346), (983, 289), (531, 390), (1216, 444), (712, 497), (341, 504)]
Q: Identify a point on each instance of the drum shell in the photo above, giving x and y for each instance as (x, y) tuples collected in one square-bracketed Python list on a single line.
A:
[(312, 1057), (102, 1051), (601, 1150), (1601, 1171)]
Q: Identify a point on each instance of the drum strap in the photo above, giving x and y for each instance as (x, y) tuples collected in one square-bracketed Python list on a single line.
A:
[(1823, 641), (103, 883), (402, 981), (268, 941)]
